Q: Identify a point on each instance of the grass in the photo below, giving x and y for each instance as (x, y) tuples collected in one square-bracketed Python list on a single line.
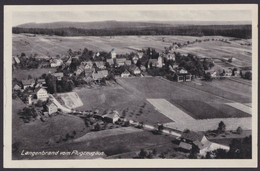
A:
[(202, 110), (126, 103), (35, 73)]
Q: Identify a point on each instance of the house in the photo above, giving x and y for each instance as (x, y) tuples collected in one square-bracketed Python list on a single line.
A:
[(111, 116), (140, 54), (152, 63), (79, 70), (100, 64), (17, 87), (143, 68), (125, 74), (29, 99), (58, 75), (134, 70), (16, 59), (113, 53), (40, 83), (170, 56), (120, 61), (89, 71), (228, 72), (185, 147), (88, 64), (135, 59), (51, 108), (160, 62), (56, 62), (182, 75), (110, 61), (97, 76), (103, 72), (128, 62), (28, 83), (41, 94), (213, 73)]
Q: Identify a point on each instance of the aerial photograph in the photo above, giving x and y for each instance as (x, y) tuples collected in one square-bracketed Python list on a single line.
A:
[(137, 84)]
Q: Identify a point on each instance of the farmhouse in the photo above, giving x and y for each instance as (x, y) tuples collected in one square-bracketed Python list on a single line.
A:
[(103, 72), (140, 54), (128, 62), (51, 108), (228, 72), (182, 75), (16, 87), (58, 75), (97, 76), (41, 94), (125, 74), (154, 63), (213, 73), (120, 61), (170, 56), (112, 116), (100, 64), (89, 71), (88, 64), (41, 81), (79, 70), (56, 62), (110, 61), (160, 62), (134, 70), (28, 83), (135, 59), (185, 147)]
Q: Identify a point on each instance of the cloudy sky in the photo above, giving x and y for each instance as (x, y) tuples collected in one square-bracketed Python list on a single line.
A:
[(21, 17)]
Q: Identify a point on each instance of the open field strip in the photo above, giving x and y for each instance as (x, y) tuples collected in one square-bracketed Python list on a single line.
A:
[(183, 121), (241, 107), (170, 110), (71, 99), (107, 133)]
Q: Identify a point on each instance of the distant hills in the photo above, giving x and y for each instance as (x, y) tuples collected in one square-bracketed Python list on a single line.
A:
[(125, 24), (117, 28)]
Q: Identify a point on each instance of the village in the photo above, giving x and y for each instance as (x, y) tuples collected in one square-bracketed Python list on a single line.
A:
[(90, 69)]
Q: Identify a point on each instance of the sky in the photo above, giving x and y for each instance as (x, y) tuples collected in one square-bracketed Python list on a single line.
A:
[(21, 17)]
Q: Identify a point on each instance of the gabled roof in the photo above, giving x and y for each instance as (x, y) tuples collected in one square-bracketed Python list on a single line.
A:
[(41, 80), (120, 59), (58, 74), (126, 72), (111, 114), (192, 136), (128, 62), (50, 103), (28, 82), (185, 146), (103, 72)]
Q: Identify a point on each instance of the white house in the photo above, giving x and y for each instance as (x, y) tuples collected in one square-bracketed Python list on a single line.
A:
[(56, 62), (51, 108), (160, 62), (28, 83), (125, 74), (112, 116), (135, 59), (41, 94)]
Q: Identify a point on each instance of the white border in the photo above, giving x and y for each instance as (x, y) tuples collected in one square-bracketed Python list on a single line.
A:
[(122, 163)]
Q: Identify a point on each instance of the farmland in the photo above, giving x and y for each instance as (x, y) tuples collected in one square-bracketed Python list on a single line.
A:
[(35, 73), (53, 45)]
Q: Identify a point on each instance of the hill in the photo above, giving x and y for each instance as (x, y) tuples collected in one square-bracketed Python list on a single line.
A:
[(94, 25)]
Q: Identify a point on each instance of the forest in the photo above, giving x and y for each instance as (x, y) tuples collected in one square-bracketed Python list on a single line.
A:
[(237, 31)]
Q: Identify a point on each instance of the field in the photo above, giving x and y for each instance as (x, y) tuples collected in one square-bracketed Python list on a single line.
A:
[(71, 100), (35, 73), (53, 45), (205, 108), (126, 103)]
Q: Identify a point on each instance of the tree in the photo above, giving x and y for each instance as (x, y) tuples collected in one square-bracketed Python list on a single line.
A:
[(208, 76), (248, 75), (97, 127), (239, 130), (39, 103), (160, 128), (221, 127), (142, 154)]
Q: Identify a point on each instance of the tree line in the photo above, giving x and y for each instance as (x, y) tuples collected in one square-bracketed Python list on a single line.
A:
[(237, 31)]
